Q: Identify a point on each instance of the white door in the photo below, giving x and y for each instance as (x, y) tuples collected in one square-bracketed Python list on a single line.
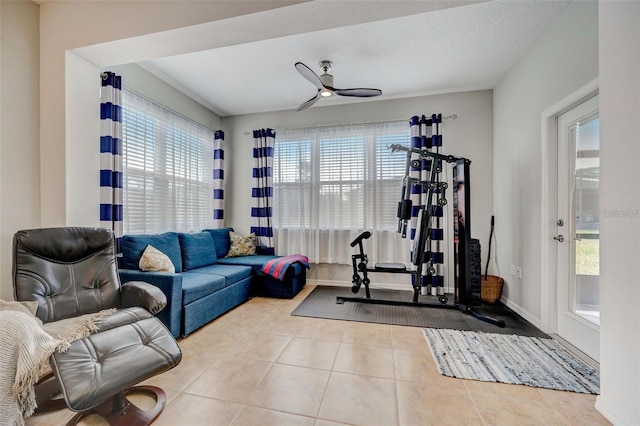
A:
[(578, 227)]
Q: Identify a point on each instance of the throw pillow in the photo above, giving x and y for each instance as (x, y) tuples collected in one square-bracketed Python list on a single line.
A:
[(241, 245), (153, 260), (134, 245)]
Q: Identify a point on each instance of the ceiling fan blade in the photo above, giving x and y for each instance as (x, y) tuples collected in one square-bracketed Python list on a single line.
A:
[(360, 93), (309, 102), (307, 73)]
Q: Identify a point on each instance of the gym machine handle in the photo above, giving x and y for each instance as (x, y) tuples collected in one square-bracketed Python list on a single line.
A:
[(424, 153), (365, 235)]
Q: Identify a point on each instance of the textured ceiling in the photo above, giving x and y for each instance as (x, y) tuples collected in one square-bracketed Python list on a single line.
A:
[(454, 49)]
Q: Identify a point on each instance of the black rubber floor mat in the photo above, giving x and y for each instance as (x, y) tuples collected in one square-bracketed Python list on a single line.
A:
[(321, 303)]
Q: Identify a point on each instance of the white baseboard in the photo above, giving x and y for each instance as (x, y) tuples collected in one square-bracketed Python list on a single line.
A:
[(523, 313), (388, 286), (610, 413), (576, 352), (329, 283)]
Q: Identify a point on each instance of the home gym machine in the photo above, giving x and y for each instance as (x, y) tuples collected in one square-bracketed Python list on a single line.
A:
[(467, 280)]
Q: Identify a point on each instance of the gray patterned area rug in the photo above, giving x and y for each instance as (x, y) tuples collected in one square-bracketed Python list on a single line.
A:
[(523, 360)]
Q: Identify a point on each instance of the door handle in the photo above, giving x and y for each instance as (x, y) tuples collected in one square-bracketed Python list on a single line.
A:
[(559, 238)]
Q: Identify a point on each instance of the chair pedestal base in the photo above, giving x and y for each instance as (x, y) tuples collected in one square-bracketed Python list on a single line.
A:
[(47, 389), (119, 411)]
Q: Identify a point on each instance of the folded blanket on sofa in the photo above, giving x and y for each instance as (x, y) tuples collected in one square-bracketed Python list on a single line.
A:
[(277, 267)]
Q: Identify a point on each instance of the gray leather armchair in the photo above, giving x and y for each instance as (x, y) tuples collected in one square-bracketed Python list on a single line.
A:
[(71, 272)]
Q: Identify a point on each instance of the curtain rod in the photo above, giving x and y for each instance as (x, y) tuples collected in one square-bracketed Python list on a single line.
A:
[(159, 105), (452, 117), (104, 76)]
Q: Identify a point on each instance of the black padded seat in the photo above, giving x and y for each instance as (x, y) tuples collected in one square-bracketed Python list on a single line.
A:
[(390, 267)]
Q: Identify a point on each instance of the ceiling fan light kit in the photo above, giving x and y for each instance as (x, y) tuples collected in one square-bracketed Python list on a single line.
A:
[(324, 83)]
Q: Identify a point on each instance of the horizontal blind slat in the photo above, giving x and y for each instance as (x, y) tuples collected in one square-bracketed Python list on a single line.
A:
[(168, 169), (341, 170)]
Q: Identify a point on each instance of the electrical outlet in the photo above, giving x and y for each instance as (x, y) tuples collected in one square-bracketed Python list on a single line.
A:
[(519, 272), (513, 270)]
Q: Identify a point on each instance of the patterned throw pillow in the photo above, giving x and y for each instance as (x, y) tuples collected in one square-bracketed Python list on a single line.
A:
[(153, 260), (242, 246)]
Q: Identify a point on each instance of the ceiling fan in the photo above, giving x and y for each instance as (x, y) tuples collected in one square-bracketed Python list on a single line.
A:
[(324, 83)]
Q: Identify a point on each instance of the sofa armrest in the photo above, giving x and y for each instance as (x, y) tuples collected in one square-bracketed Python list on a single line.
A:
[(142, 294), (171, 285)]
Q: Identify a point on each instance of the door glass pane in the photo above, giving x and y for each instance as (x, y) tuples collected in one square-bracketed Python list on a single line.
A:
[(586, 200)]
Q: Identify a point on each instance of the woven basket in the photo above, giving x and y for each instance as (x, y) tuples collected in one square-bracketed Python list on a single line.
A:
[(491, 289)]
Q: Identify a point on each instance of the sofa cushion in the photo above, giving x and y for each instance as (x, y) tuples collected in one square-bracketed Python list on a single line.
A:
[(134, 245), (231, 273), (221, 240), (256, 262), (197, 250), (196, 286)]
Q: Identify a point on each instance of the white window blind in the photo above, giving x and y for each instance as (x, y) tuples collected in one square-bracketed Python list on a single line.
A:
[(168, 169), (331, 183)]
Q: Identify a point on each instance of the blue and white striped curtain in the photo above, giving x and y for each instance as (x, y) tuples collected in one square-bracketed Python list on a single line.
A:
[(262, 190), (425, 134), (218, 179), (111, 155)]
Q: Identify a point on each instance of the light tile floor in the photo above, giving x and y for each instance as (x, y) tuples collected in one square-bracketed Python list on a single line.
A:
[(258, 365)]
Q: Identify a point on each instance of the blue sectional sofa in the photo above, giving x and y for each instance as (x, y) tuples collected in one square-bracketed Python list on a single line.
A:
[(206, 283)]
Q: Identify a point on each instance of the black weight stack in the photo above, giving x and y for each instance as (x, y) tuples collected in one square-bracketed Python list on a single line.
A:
[(476, 273)]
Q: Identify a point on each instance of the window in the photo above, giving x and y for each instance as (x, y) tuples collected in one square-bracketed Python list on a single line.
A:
[(330, 183), (168, 169)]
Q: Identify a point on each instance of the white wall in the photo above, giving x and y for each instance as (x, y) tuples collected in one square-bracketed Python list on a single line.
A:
[(469, 136), (78, 38), (82, 155), (138, 79), (80, 162), (65, 26), (105, 33), (47, 173), (33, 187), (561, 61), (19, 135), (619, 399)]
